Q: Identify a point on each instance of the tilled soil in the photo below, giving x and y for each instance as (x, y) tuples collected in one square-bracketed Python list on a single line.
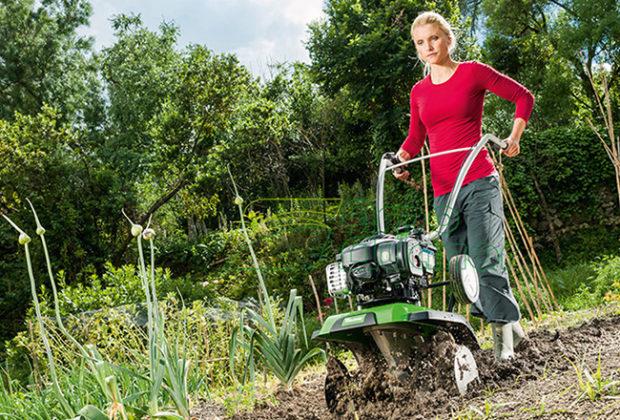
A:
[(542, 382)]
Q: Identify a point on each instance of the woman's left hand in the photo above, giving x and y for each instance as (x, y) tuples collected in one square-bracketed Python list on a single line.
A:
[(513, 148)]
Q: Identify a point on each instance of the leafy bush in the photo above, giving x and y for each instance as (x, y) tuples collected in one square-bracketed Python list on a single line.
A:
[(117, 286), (601, 287), (567, 280), (575, 177), (119, 334), (607, 279)]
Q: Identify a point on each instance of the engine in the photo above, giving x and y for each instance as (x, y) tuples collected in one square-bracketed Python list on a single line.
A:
[(383, 268)]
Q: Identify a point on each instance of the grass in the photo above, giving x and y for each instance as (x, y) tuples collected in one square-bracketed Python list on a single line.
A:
[(595, 385), (487, 410), (566, 280), (542, 409)]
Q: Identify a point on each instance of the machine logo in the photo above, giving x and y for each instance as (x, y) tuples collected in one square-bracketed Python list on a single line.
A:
[(352, 320)]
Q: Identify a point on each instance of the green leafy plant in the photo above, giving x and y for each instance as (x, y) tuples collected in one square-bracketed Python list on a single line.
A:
[(277, 346), (594, 385), (607, 278)]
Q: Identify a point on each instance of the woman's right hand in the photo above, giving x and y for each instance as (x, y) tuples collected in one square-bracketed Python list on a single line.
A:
[(403, 174)]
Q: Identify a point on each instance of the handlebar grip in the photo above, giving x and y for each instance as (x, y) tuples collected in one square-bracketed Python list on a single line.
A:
[(394, 160), (498, 144)]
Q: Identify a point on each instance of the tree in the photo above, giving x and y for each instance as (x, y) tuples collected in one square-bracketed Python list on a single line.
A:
[(40, 159), (545, 43), (168, 108), (364, 50), (43, 60), (555, 47)]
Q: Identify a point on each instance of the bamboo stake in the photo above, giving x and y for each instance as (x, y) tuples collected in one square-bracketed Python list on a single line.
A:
[(318, 304), (527, 240), (316, 298), (520, 290), (532, 298), (544, 298), (539, 273), (604, 107), (523, 266), (350, 303), (537, 261), (522, 233), (443, 278), (512, 207)]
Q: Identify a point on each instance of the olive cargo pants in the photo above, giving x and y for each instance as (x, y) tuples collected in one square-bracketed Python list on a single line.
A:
[(476, 229)]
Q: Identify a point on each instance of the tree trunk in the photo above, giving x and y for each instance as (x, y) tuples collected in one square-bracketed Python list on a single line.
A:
[(176, 187)]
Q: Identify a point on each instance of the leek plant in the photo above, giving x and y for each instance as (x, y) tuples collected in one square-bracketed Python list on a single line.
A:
[(101, 372), (169, 368), (24, 240), (105, 379), (277, 346)]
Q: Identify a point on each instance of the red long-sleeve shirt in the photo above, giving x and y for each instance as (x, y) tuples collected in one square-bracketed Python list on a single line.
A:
[(450, 113)]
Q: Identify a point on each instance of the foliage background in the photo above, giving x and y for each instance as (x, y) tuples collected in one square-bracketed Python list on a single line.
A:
[(148, 127)]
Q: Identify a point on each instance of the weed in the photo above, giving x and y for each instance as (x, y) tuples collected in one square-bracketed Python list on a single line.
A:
[(595, 385), (243, 399)]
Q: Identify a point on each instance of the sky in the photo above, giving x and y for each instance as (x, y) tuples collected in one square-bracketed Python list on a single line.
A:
[(259, 32)]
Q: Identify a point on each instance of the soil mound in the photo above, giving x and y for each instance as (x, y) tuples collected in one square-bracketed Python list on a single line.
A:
[(431, 394)]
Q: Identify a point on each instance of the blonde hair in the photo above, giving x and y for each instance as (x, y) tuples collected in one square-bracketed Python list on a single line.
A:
[(426, 18)]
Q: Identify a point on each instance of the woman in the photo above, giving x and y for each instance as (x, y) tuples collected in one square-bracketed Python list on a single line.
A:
[(446, 106)]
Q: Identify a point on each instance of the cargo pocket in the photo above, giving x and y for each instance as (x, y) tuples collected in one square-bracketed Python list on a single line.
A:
[(496, 205), (496, 234)]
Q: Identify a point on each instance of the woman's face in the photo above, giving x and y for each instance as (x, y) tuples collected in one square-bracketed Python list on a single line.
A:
[(431, 43)]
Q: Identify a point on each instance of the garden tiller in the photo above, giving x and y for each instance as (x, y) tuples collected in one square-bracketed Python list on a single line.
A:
[(386, 275)]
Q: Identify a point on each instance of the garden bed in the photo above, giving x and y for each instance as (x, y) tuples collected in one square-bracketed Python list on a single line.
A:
[(557, 375)]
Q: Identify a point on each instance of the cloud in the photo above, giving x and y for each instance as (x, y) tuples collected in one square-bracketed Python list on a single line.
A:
[(299, 12), (260, 32)]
